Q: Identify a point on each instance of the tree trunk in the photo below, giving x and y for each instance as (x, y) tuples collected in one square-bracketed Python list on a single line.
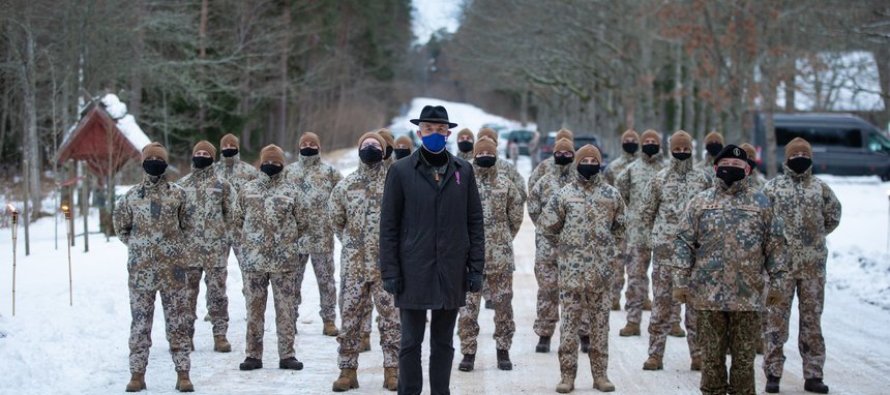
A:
[(202, 54), (32, 143), (135, 103)]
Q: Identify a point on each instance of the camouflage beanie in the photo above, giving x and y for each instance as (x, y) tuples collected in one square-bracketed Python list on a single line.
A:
[(404, 142), (751, 152), (310, 138), (487, 132), (798, 145), (588, 151), (485, 144), (205, 145), (714, 137), (681, 139), (564, 144), (272, 153), (228, 139), (651, 133), (630, 134), (465, 132), (374, 135), (154, 150), (565, 134), (388, 139)]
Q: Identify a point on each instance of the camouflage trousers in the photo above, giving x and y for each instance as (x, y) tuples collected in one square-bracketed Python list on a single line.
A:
[(175, 303), (810, 300), (323, 265), (500, 286), (666, 312), (356, 295), (547, 276), (367, 308), (256, 293), (575, 305), (217, 300), (621, 260), (737, 332), (637, 281)]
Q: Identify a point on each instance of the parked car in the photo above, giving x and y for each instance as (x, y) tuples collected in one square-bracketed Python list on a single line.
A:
[(546, 148), (843, 144)]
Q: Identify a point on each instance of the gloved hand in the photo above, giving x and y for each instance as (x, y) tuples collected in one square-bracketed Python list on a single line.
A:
[(773, 297), (393, 286), (680, 294), (474, 282)]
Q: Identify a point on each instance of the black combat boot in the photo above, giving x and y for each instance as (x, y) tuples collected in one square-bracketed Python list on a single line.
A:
[(772, 384), (504, 360), (290, 364), (251, 364), (815, 385), (543, 344), (467, 364)]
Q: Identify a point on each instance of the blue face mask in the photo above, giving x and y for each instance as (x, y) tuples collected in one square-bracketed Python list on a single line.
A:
[(435, 142)]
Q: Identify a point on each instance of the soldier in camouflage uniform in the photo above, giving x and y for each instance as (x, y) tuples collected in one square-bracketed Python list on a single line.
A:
[(811, 211), (756, 179), (271, 220), (503, 212), (713, 145), (211, 208), (151, 220), (547, 166), (669, 192), (238, 173), (630, 144), (465, 142), (506, 167), (314, 181), (354, 208), (729, 237), (404, 147), (546, 270), (585, 220), (388, 159), (632, 183)]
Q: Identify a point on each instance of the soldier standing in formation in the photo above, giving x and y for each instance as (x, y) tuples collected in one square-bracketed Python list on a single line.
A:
[(630, 145), (755, 179), (314, 181), (547, 166), (810, 211), (404, 147), (729, 238), (632, 183), (271, 220), (465, 142), (502, 212), (388, 160), (355, 213), (713, 146), (152, 221), (585, 219), (504, 166), (211, 202), (668, 193), (238, 173)]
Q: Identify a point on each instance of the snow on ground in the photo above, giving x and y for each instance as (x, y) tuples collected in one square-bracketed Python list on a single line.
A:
[(50, 347)]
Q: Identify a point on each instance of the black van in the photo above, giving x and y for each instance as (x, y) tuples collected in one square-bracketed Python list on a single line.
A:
[(843, 144)]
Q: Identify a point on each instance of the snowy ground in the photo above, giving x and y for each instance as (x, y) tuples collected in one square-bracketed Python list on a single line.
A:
[(52, 348)]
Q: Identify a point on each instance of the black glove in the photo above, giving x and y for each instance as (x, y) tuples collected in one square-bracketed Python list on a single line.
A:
[(392, 285), (474, 282)]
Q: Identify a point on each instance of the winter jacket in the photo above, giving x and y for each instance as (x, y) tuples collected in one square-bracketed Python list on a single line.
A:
[(314, 181), (354, 210), (211, 203), (271, 222)]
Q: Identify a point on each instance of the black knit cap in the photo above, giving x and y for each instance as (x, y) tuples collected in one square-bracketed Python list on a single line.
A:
[(731, 151)]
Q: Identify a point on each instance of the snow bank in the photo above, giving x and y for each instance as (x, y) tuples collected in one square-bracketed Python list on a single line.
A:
[(464, 115)]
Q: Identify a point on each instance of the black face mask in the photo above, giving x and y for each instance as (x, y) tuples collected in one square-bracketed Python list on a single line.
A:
[(154, 167), (465, 146), (588, 170), (370, 155), (201, 162), (800, 164), (230, 152), (630, 148), (271, 169), (485, 161), (650, 149), (388, 152), (308, 151), (681, 155), (563, 160), (402, 152), (730, 174), (714, 148)]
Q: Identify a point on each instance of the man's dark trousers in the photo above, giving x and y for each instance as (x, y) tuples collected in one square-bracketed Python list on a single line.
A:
[(441, 350)]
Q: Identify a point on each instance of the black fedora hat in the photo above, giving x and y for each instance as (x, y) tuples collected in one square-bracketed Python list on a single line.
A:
[(434, 114)]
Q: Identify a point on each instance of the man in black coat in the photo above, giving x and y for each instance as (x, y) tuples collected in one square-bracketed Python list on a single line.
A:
[(432, 248)]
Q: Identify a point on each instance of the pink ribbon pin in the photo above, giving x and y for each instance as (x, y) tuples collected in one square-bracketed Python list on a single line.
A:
[(457, 177)]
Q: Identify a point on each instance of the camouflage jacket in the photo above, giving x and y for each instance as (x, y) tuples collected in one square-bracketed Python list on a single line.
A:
[(508, 169), (271, 221), (585, 220), (544, 168), (706, 165), (314, 181), (502, 215), (467, 156), (152, 221), (633, 183), (810, 211), (211, 203), (756, 180), (728, 239), (666, 198), (617, 166), (546, 187), (235, 171), (354, 209)]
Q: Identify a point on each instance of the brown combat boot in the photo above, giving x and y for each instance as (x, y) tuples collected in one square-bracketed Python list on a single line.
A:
[(696, 364), (347, 381), (603, 384), (653, 363), (631, 329), (221, 344), (183, 384), (366, 343), (330, 329), (647, 304), (390, 378), (137, 382), (677, 331), (566, 385)]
